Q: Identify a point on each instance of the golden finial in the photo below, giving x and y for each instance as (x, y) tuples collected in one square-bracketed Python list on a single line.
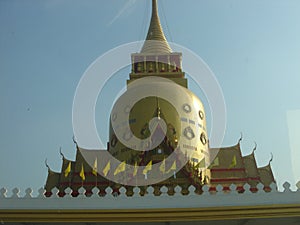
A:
[(156, 41), (157, 107)]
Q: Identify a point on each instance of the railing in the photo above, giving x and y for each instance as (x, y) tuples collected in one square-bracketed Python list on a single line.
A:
[(113, 199), (117, 206)]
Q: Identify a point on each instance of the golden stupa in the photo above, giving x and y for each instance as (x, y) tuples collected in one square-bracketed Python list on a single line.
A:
[(157, 59)]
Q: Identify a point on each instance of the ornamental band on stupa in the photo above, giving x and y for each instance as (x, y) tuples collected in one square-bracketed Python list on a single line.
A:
[(228, 166)]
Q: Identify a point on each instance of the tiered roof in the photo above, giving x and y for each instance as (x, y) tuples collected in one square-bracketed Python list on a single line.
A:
[(232, 167), (229, 167)]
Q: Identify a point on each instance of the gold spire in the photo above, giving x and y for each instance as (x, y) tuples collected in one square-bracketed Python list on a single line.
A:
[(156, 41), (157, 108)]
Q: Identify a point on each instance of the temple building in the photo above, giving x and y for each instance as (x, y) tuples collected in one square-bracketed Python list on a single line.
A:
[(228, 166)]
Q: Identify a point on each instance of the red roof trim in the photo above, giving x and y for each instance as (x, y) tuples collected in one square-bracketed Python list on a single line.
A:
[(84, 183), (227, 169), (254, 178), (217, 180)]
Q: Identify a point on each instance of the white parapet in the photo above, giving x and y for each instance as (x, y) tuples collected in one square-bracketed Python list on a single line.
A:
[(12, 200)]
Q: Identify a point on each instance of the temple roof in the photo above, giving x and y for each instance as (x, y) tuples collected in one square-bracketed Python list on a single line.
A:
[(228, 156), (266, 175), (250, 165), (52, 180), (156, 41)]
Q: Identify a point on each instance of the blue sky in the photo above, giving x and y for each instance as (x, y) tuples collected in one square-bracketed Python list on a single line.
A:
[(252, 47)]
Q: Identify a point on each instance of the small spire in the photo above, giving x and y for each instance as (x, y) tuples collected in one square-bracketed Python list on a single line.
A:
[(156, 41)]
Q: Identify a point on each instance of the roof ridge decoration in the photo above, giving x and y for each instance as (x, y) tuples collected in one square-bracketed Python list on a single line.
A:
[(268, 166), (61, 154), (241, 138), (46, 164), (156, 42), (271, 159), (253, 151)]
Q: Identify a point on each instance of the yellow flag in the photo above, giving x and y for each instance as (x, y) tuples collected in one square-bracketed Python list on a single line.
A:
[(148, 167), (162, 166), (106, 168), (233, 162), (215, 163), (173, 167), (68, 169), (120, 168), (135, 169), (201, 164), (81, 174), (95, 168)]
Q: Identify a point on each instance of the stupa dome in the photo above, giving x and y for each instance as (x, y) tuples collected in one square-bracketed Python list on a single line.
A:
[(183, 115)]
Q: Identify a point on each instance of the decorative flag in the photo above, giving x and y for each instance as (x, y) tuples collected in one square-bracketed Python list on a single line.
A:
[(81, 174), (233, 162), (162, 166), (148, 167), (68, 169), (106, 168), (120, 168), (215, 163), (200, 164), (95, 167), (173, 167), (135, 169)]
